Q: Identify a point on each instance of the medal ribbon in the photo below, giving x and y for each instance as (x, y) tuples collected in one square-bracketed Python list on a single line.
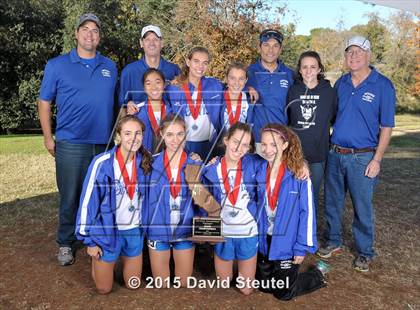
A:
[(195, 109), (130, 185), (232, 194), (273, 197), (233, 118), (174, 188), (152, 117)]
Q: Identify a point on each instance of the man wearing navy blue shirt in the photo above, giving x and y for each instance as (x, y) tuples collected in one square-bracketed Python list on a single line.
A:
[(271, 78), (361, 134), (82, 85), (131, 85)]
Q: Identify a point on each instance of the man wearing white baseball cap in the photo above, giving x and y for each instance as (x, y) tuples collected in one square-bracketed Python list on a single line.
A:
[(361, 134), (131, 87)]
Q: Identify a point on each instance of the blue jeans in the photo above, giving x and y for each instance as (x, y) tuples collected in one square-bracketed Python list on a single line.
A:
[(347, 171), (71, 162), (317, 177)]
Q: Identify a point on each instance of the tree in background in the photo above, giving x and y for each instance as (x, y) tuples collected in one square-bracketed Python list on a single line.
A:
[(402, 60), (30, 33), (33, 31), (229, 29), (122, 21)]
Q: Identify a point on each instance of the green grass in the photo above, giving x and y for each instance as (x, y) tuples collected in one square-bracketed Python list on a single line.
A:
[(406, 133), (407, 122), (22, 144)]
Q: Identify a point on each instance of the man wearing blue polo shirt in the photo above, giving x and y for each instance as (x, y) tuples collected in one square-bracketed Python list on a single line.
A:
[(271, 79), (131, 85), (361, 134), (82, 84)]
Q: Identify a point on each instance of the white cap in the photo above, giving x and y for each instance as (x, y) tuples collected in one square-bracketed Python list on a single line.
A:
[(151, 28), (359, 41)]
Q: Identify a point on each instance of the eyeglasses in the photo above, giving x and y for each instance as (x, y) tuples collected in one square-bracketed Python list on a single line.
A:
[(355, 52)]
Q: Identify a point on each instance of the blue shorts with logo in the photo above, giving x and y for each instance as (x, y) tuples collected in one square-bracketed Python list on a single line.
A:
[(237, 248), (130, 245), (164, 245)]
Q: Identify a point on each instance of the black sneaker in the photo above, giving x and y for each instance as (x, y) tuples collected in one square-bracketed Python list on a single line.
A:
[(361, 263), (328, 251)]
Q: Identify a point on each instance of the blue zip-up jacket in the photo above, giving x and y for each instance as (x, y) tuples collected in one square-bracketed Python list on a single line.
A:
[(95, 223), (272, 88), (294, 231), (212, 99), (250, 164), (159, 216), (148, 134)]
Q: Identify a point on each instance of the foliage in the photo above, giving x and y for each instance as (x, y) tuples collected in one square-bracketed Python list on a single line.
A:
[(30, 33), (33, 31)]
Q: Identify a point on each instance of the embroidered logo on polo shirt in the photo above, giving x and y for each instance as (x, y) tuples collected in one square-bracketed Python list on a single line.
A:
[(368, 97), (106, 73), (284, 83)]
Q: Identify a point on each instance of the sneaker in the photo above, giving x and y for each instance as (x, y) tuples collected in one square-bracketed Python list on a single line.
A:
[(323, 267), (361, 263), (328, 251), (65, 256)]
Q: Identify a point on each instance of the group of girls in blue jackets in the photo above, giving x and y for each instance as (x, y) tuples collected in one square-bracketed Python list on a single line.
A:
[(268, 216)]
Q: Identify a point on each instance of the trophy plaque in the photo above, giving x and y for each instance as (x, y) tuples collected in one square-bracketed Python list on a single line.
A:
[(205, 229)]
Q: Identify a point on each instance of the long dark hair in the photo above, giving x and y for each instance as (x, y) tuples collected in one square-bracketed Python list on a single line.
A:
[(146, 160), (150, 71), (311, 54)]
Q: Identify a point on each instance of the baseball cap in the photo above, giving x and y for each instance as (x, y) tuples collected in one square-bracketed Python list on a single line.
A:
[(359, 41), (89, 17), (151, 28), (271, 34)]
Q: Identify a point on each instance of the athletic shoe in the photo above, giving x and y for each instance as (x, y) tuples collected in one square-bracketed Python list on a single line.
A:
[(65, 256), (328, 251), (361, 263)]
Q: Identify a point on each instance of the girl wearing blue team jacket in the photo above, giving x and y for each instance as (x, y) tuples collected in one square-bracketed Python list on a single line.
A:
[(170, 208), (231, 180), (198, 100), (286, 226), (153, 110), (112, 206)]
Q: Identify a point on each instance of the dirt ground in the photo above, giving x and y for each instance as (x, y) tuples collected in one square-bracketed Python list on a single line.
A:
[(32, 279)]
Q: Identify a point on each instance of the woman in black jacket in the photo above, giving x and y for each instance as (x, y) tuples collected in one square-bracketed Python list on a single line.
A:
[(311, 110)]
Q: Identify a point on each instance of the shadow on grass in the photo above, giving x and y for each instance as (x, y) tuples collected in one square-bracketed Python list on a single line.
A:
[(40, 209), (410, 140)]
